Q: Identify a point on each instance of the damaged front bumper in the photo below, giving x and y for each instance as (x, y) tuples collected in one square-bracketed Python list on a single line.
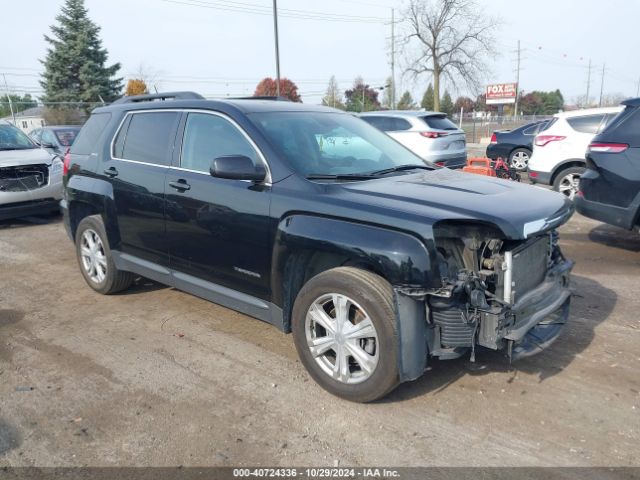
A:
[(451, 322)]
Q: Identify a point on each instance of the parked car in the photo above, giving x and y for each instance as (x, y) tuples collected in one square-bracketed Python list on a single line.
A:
[(30, 178), (375, 261), (515, 146), (430, 135), (610, 186), (56, 139), (558, 157)]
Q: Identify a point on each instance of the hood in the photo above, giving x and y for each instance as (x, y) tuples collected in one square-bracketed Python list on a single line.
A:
[(15, 158), (518, 210)]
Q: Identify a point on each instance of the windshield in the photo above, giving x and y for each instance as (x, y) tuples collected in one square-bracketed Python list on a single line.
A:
[(12, 138), (318, 143)]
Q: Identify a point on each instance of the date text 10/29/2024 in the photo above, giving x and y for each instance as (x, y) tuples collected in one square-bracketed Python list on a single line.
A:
[(286, 473)]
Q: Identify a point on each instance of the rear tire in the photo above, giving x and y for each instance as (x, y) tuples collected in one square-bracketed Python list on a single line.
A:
[(567, 181), (95, 259), (345, 332), (519, 159)]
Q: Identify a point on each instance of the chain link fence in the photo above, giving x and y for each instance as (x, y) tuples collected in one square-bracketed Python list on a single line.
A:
[(478, 129)]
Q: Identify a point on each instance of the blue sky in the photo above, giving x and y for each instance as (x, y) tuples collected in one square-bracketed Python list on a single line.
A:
[(226, 52)]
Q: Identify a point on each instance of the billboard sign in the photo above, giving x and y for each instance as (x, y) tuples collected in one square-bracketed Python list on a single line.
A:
[(501, 93)]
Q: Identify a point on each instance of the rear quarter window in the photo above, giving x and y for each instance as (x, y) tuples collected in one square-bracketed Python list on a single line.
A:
[(623, 128), (586, 124), (87, 140), (439, 122)]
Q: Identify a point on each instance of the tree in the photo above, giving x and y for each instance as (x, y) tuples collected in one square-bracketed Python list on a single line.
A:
[(451, 38), (427, 99), (541, 103), (268, 88), (17, 102), (136, 86), (612, 99), (406, 102), (464, 103), (360, 92), (75, 65), (446, 105), (333, 96)]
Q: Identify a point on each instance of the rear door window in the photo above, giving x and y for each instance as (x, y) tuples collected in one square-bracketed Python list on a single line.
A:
[(381, 123), (149, 137), (439, 122), (398, 124), (586, 124), (87, 140)]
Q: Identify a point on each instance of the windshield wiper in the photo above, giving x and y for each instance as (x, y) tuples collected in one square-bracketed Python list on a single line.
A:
[(400, 169), (340, 176)]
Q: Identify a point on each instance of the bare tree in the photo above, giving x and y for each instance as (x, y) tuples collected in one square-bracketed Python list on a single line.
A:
[(333, 97), (451, 38)]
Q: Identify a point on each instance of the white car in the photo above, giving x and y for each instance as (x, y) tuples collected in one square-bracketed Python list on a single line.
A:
[(558, 157), (430, 135), (30, 177)]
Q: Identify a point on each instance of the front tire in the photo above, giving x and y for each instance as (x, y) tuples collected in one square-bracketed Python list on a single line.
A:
[(519, 159), (567, 181), (345, 332), (95, 259)]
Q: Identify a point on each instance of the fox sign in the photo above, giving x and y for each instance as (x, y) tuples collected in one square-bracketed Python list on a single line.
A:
[(501, 93)]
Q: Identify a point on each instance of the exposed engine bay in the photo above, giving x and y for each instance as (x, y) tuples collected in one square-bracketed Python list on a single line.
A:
[(23, 177), (499, 294)]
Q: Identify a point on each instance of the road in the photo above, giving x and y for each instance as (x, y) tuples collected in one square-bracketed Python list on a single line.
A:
[(155, 376)]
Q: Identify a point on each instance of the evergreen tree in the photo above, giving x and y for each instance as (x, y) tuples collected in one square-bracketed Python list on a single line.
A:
[(446, 104), (75, 65), (359, 92), (427, 99), (406, 102)]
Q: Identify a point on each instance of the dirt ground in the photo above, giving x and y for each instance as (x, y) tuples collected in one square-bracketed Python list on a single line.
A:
[(155, 376)]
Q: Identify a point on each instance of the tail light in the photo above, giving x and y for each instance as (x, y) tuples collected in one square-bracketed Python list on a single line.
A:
[(533, 174), (542, 140), (440, 164), (65, 163), (494, 139), (608, 147), (433, 134)]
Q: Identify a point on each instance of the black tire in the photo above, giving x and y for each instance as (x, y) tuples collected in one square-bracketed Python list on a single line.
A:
[(375, 295), (561, 180), (114, 280), (519, 151)]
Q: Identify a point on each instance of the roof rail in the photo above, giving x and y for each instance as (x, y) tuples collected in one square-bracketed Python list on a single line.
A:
[(261, 97), (159, 96)]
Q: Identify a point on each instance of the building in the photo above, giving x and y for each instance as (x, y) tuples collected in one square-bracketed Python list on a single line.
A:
[(28, 119)]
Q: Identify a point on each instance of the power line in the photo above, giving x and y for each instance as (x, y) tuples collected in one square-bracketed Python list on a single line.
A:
[(240, 7)]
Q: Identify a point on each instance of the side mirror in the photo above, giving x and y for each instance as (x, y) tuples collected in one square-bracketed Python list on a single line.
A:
[(237, 167)]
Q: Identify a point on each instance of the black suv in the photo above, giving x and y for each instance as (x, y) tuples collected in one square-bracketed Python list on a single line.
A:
[(610, 187), (314, 221)]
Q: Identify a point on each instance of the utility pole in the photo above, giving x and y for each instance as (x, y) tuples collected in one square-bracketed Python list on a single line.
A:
[(638, 89), (393, 59), (517, 81), (601, 86), (6, 86), (275, 31), (588, 84)]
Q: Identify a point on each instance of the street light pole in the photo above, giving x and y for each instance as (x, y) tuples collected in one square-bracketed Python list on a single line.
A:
[(275, 31)]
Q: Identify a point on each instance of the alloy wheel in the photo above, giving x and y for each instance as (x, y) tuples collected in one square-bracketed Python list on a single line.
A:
[(520, 160), (342, 338), (94, 260), (569, 185)]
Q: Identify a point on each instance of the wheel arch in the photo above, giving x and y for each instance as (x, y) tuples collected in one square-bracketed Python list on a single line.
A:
[(307, 245), (573, 162)]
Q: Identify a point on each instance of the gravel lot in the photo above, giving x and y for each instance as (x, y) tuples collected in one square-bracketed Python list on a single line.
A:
[(155, 376)]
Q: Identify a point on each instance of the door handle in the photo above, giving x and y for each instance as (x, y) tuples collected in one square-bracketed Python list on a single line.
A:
[(180, 185), (111, 172)]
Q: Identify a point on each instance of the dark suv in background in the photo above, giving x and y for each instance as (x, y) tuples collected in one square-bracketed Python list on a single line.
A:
[(610, 186), (375, 261)]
